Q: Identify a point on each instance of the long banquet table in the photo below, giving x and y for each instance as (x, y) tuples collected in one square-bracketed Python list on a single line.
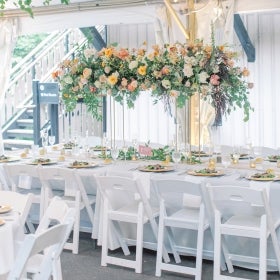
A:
[(234, 173)]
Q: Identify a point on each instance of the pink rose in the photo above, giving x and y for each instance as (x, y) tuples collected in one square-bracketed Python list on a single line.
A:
[(214, 80)]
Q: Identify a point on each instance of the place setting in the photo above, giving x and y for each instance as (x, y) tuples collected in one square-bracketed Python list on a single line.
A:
[(42, 161), (6, 159), (156, 168), (77, 164), (267, 175)]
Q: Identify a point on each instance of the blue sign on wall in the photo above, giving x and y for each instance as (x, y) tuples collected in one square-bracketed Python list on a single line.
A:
[(48, 93)]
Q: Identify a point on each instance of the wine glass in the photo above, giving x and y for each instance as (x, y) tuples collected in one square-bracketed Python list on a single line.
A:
[(52, 139), (114, 153), (134, 143), (176, 157), (44, 136), (226, 159), (125, 150)]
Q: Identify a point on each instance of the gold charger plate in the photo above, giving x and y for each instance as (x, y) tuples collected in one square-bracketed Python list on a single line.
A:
[(9, 159), (100, 149), (245, 156), (196, 154), (90, 165), (2, 222), (164, 169), (272, 160), (194, 173), (5, 209), (276, 178), (42, 163)]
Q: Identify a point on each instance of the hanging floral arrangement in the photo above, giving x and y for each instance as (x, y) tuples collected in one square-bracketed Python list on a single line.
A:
[(171, 74)]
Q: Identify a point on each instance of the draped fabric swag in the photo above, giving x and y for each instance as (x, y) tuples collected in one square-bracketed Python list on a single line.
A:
[(8, 33)]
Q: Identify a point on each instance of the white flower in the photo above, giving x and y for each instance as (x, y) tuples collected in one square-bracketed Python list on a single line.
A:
[(133, 64), (203, 76), (166, 84), (88, 53), (191, 60), (97, 84), (68, 80), (107, 69), (187, 84), (216, 69), (188, 71)]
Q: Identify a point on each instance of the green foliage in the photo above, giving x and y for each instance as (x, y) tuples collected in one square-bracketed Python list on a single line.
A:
[(26, 5), (25, 44)]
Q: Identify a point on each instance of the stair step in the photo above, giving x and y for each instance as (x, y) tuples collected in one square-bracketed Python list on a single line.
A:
[(25, 122), (20, 133), (30, 121), (16, 143)]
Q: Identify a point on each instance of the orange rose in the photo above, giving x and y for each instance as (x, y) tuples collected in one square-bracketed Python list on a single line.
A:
[(86, 73), (165, 70), (123, 53), (245, 72)]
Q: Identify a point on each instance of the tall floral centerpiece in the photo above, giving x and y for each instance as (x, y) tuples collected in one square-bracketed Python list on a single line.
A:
[(172, 74)]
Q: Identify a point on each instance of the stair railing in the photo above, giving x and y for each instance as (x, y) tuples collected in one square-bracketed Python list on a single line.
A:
[(36, 65)]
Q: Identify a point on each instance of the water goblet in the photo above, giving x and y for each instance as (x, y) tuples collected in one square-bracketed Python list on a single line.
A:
[(51, 140), (226, 161), (176, 157), (114, 153)]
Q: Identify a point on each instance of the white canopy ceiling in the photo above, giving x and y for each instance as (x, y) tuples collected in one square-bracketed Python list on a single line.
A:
[(106, 12)]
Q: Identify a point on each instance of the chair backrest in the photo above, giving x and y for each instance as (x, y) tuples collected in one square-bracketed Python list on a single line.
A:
[(120, 191), (22, 176), (112, 187), (178, 193), (20, 203), (58, 212), (86, 178), (59, 179), (234, 200), (52, 239)]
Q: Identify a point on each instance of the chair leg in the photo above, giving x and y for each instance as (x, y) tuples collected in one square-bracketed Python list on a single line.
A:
[(170, 237), (160, 245), (263, 249), (139, 240), (57, 273), (76, 230), (199, 247), (217, 247), (115, 227), (105, 228)]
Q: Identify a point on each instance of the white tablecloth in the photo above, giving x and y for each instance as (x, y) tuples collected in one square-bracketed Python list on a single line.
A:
[(234, 173), (11, 234)]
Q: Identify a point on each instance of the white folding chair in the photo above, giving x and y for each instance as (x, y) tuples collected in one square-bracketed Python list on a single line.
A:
[(57, 212), (24, 178), (243, 212), (88, 186), (181, 206), (21, 203), (125, 201), (55, 179), (49, 242)]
